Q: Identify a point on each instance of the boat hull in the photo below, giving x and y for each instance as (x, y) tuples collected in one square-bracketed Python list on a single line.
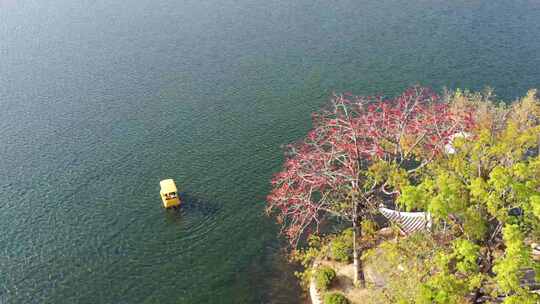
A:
[(171, 202)]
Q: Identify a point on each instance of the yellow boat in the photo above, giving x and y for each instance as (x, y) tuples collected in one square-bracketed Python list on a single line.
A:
[(169, 193)]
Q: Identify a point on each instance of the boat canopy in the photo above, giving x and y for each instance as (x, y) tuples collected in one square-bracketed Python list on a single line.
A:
[(168, 186)]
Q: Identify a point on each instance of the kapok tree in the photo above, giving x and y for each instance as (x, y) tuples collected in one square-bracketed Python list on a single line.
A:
[(360, 150)]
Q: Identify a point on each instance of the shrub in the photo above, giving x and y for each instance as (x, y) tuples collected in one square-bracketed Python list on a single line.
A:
[(369, 228), (341, 247), (335, 298), (324, 276)]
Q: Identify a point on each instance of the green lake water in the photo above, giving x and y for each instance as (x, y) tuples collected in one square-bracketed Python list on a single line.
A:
[(99, 100)]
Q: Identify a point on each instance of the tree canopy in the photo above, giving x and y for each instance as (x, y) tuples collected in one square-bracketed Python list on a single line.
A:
[(470, 162), (484, 197), (358, 152), (354, 144)]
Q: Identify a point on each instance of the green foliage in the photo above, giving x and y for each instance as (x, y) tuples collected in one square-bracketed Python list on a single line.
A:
[(415, 197), (516, 257), (390, 173), (369, 229), (444, 289), (475, 223), (335, 246), (522, 298), (456, 274), (335, 298), (491, 181), (324, 276), (404, 265), (341, 247), (466, 255), (341, 251), (306, 257), (535, 204)]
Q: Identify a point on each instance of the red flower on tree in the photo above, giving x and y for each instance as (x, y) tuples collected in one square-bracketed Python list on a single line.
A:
[(327, 172)]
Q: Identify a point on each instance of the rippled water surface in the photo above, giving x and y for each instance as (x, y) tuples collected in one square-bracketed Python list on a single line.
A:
[(101, 99)]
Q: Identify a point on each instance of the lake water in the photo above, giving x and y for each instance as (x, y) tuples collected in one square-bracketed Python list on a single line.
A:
[(99, 100)]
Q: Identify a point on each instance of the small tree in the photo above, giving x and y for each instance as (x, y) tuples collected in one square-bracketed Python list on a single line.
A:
[(360, 151), (335, 298)]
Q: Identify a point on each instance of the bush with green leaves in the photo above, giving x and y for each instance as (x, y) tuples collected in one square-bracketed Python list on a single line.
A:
[(324, 276), (341, 247), (335, 298)]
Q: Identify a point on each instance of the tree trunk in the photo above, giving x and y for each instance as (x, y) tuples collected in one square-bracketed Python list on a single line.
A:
[(359, 280)]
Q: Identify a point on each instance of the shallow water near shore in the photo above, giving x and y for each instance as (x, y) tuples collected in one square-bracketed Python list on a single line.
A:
[(100, 100)]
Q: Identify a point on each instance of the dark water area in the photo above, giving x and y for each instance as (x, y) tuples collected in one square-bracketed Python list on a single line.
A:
[(99, 100)]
